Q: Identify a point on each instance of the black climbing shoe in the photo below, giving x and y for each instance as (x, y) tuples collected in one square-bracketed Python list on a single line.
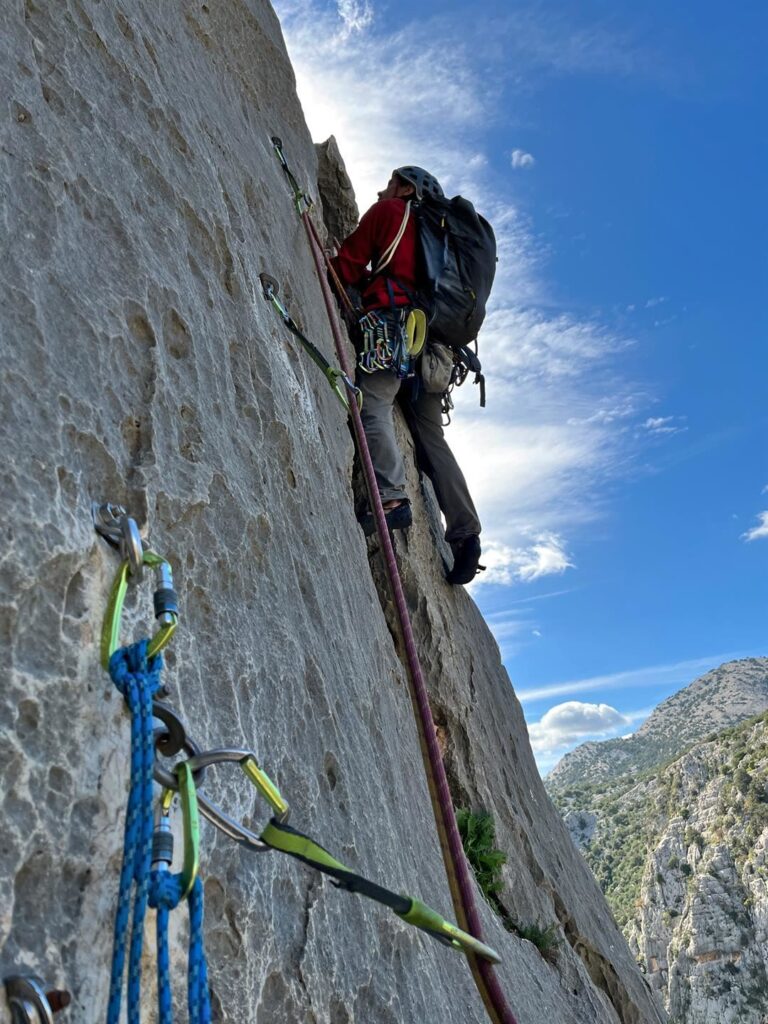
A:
[(398, 518), (466, 556)]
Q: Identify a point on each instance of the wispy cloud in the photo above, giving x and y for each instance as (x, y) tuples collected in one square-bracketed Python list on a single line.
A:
[(355, 14), (522, 160), (659, 425), (652, 675), (759, 531), (544, 556)]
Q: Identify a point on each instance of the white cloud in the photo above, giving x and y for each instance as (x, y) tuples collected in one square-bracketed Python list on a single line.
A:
[(759, 531), (544, 556), (655, 302), (521, 159), (652, 675), (572, 722)]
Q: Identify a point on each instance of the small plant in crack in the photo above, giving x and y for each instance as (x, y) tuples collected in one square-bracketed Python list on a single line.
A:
[(478, 835), (546, 940)]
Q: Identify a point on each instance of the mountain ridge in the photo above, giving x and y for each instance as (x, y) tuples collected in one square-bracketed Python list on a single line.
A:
[(724, 696)]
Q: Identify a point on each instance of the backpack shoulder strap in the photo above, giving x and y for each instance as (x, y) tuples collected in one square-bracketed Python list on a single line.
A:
[(391, 249)]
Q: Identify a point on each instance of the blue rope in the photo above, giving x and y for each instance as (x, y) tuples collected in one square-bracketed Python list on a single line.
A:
[(138, 679), (165, 895)]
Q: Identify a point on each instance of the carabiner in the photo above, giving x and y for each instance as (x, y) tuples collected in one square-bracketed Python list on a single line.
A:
[(334, 376), (257, 776), (424, 917), (117, 528), (162, 840), (166, 608), (253, 772), (29, 1002)]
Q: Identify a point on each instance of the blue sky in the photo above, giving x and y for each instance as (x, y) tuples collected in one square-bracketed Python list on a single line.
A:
[(622, 158)]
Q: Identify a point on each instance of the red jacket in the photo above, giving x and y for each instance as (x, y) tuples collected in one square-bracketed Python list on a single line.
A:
[(368, 241)]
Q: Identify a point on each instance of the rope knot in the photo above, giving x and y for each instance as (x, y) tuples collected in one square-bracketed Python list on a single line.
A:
[(129, 666), (164, 890)]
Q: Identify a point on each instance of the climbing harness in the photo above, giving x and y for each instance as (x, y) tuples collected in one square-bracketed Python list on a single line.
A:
[(145, 878), (457, 869), (279, 835), (270, 288), (29, 1002)]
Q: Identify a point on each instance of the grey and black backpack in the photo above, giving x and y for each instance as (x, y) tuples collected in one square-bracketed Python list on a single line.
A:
[(457, 264), (456, 267)]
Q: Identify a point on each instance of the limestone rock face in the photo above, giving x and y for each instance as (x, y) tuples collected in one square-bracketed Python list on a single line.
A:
[(336, 192), (141, 200)]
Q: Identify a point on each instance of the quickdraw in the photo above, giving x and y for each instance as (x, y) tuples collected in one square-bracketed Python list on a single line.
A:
[(301, 199), (145, 878), (335, 377), (279, 835)]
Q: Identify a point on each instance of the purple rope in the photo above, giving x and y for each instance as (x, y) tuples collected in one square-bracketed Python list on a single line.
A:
[(494, 997)]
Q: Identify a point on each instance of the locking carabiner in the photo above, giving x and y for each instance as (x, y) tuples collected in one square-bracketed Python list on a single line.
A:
[(162, 840), (165, 601)]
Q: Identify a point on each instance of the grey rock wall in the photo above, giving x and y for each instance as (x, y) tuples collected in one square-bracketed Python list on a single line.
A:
[(140, 202)]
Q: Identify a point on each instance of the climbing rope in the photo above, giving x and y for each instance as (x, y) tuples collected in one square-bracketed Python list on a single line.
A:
[(456, 866), (148, 850)]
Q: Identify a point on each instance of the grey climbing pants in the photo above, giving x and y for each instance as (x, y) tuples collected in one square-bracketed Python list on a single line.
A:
[(380, 390)]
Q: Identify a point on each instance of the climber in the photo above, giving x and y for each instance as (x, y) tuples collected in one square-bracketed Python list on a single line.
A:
[(379, 259)]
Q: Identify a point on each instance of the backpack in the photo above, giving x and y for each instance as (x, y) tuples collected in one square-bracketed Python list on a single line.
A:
[(456, 253)]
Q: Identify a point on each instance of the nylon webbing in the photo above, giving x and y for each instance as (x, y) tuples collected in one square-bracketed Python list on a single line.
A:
[(289, 840), (280, 836), (456, 867)]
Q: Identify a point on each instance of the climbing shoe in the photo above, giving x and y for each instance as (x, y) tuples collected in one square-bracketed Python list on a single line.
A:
[(466, 558), (398, 518)]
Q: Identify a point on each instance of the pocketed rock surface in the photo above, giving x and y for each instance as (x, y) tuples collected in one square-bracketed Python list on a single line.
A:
[(141, 200)]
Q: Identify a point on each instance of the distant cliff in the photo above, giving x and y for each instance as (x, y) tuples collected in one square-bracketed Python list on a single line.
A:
[(141, 200), (681, 848)]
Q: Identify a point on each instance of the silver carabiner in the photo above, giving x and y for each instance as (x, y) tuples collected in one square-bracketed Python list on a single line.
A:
[(247, 761)]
